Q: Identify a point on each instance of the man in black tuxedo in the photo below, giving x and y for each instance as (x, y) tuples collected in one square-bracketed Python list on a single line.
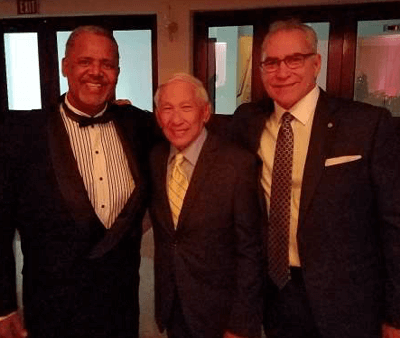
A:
[(332, 200), (73, 182), (206, 220)]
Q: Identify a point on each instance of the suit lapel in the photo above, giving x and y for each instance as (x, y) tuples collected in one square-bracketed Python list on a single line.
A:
[(257, 124), (73, 189), (66, 171), (126, 218), (129, 144), (200, 173), (159, 183), (322, 133)]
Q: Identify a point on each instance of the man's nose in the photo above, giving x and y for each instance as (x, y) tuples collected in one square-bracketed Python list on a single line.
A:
[(283, 70), (95, 69), (176, 116)]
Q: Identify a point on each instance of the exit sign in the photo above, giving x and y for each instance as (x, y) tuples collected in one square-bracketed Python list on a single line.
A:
[(27, 6)]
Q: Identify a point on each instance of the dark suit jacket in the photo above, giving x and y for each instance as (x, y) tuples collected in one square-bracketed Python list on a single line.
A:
[(79, 279), (212, 260), (349, 222)]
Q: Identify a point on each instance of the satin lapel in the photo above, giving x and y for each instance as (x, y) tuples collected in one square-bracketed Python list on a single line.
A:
[(126, 218), (322, 133), (200, 173), (160, 186), (66, 171), (130, 144)]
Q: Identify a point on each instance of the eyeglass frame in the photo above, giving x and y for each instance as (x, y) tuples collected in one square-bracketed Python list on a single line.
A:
[(285, 61)]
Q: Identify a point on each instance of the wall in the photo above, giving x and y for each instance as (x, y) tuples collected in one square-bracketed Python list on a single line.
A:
[(175, 55)]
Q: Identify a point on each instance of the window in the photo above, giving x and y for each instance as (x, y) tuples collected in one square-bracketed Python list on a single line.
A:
[(229, 79), (377, 73), (22, 71)]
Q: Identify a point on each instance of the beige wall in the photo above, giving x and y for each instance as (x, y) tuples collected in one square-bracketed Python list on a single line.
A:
[(173, 56)]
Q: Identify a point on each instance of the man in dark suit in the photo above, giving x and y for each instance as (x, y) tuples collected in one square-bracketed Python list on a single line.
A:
[(336, 206), (73, 182), (206, 219)]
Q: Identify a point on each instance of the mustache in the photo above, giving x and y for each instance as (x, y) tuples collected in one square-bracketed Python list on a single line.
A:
[(98, 79)]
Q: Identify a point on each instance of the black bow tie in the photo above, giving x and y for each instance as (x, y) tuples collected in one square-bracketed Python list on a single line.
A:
[(85, 121)]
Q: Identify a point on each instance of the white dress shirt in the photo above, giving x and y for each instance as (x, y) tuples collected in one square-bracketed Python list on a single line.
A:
[(102, 164)]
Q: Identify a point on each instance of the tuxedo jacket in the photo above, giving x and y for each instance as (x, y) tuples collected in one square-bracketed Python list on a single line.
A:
[(349, 222), (78, 277), (211, 262)]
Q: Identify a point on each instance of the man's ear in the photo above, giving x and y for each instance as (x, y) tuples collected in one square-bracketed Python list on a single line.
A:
[(64, 65), (157, 118), (317, 65), (207, 112)]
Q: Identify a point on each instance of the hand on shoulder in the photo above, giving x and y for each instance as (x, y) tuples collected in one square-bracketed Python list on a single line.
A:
[(390, 331), (12, 327), (228, 334)]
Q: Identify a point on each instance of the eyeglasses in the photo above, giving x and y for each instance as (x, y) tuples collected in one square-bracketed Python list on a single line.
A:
[(293, 61)]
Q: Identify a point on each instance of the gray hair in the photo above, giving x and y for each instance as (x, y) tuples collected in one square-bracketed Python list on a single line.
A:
[(290, 25), (90, 29), (200, 91)]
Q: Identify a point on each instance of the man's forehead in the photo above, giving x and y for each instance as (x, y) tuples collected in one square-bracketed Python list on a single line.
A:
[(92, 39), (286, 42), (178, 87), (94, 44)]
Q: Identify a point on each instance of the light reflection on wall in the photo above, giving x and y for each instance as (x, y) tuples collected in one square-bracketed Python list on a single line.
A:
[(220, 69)]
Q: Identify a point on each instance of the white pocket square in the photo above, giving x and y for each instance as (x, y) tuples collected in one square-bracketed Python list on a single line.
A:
[(341, 159)]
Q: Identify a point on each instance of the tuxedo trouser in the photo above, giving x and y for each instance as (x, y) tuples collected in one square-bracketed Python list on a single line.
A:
[(287, 313), (100, 299)]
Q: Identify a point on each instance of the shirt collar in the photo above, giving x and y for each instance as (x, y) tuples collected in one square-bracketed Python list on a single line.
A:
[(302, 110), (192, 152), (77, 111)]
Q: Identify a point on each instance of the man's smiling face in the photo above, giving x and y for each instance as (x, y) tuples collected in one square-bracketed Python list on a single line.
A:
[(181, 114), (288, 86), (91, 68)]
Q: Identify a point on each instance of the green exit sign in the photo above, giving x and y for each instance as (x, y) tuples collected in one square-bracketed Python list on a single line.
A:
[(27, 6)]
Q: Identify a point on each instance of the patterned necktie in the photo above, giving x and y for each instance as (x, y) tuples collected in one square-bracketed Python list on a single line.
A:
[(279, 215), (177, 187)]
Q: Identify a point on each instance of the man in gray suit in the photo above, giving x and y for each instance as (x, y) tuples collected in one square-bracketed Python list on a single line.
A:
[(206, 219), (331, 180)]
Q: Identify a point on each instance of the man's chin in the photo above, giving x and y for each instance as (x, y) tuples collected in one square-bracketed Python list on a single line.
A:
[(93, 107), (179, 144)]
